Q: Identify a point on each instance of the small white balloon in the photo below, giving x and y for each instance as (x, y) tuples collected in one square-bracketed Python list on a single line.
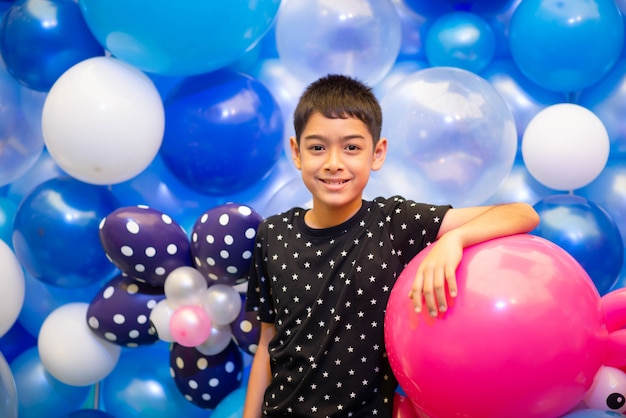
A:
[(160, 317), (70, 351), (565, 146), (184, 286), (222, 303), (218, 340), (103, 121), (11, 288)]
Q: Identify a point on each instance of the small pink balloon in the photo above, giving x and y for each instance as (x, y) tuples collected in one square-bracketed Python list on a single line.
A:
[(190, 325)]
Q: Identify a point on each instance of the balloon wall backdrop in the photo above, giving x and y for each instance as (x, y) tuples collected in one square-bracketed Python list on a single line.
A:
[(142, 143)]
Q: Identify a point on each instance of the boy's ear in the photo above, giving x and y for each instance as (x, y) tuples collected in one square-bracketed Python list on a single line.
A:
[(295, 152), (380, 152)]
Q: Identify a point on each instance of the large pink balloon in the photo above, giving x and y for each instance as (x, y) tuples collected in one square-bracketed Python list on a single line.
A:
[(524, 337)]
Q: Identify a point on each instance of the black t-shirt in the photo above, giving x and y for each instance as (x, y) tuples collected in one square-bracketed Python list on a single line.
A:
[(326, 291)]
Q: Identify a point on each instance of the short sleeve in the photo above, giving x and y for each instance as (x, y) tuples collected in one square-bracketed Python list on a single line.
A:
[(259, 295)]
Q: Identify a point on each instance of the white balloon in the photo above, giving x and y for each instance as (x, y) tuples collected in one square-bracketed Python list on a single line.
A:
[(218, 340), (70, 351), (184, 286), (11, 288), (103, 121), (222, 304), (160, 317), (565, 146)]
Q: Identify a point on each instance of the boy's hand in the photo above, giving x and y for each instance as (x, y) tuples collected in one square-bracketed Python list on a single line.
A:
[(437, 270)]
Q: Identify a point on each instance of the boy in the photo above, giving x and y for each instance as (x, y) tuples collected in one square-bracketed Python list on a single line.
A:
[(320, 278)]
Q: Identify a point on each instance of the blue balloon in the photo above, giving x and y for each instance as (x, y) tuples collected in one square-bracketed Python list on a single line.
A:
[(224, 132), (607, 99), (41, 298), (39, 393), (524, 98), (480, 7), (41, 39), (56, 232), (15, 341), (519, 186), (8, 209), (195, 37), (587, 232), (232, 405), (88, 413), (44, 168), (141, 386), (460, 39), (566, 46)]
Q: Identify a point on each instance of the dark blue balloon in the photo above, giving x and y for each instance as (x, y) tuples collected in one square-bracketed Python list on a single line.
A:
[(224, 132), (55, 234), (41, 39), (195, 373), (16, 340), (587, 232)]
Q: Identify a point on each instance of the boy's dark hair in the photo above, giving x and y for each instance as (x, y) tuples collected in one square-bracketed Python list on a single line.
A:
[(339, 96)]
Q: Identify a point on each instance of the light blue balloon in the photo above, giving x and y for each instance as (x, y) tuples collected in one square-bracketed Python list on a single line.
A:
[(566, 45), (8, 391), (460, 39), (8, 208), (141, 386), (593, 413), (232, 405), (187, 37), (39, 394)]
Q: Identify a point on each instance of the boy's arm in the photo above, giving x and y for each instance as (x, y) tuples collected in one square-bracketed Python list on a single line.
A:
[(461, 228), (260, 374)]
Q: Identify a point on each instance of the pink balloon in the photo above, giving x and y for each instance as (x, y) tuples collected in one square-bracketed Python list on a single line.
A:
[(402, 407), (524, 337), (190, 325)]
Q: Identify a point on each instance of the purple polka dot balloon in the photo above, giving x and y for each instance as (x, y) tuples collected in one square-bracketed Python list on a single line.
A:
[(144, 243), (206, 380), (120, 312), (222, 242), (246, 329)]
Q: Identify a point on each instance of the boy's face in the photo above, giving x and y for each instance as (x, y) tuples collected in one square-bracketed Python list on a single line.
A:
[(336, 157)]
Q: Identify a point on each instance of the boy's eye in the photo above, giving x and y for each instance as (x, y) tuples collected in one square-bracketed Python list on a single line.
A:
[(352, 147), (316, 148)]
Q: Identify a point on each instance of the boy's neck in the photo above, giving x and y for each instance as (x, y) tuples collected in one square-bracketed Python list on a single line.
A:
[(321, 217)]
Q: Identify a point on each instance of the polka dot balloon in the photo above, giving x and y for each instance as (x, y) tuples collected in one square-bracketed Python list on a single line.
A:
[(222, 241), (246, 329), (120, 312), (206, 380), (144, 243)]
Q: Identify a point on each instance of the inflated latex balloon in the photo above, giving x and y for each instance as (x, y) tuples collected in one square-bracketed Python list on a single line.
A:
[(15, 341), (144, 243), (565, 146), (224, 132), (607, 100), (8, 391), (452, 138), (519, 186), (190, 325), (44, 168), (525, 308), (593, 413), (222, 304), (103, 121), (222, 241), (39, 392), (481, 7), (8, 209), (120, 312), (232, 405), (185, 285), (195, 37), (56, 232), (206, 380), (587, 232), (41, 39), (360, 38), (525, 98), (141, 385), (462, 40), (70, 351), (160, 317), (21, 142), (608, 390), (11, 288), (220, 336), (566, 46), (88, 413), (246, 329)]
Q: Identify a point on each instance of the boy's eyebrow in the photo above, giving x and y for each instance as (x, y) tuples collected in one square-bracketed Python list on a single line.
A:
[(322, 137)]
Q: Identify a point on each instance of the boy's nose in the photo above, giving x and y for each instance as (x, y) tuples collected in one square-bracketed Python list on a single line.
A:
[(333, 162)]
